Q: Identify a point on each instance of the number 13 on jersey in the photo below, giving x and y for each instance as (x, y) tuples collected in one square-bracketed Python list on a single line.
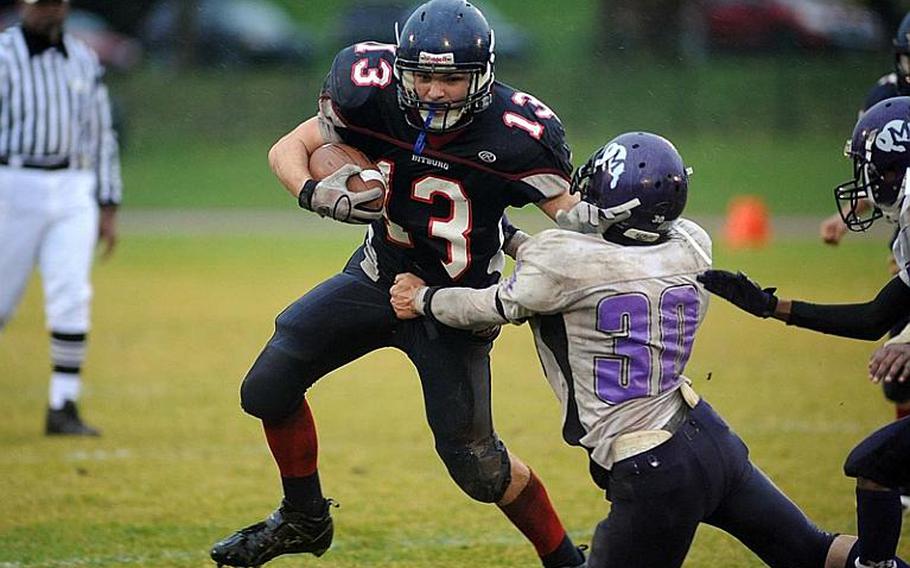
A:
[(455, 229)]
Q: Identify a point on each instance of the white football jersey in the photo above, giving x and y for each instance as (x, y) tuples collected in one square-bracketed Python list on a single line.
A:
[(614, 326), (901, 246)]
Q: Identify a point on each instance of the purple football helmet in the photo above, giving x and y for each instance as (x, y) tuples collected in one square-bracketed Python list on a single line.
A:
[(880, 150), (445, 36), (636, 166)]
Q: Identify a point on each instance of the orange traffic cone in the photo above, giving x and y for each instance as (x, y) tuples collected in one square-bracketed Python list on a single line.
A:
[(747, 223)]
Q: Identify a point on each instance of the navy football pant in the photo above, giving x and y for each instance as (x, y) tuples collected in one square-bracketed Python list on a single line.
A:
[(702, 474), (348, 316), (884, 456)]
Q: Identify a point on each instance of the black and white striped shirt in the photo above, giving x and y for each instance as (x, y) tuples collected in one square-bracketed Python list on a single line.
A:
[(54, 109)]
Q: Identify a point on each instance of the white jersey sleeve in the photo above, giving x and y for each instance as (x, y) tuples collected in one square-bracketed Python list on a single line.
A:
[(535, 287), (467, 308)]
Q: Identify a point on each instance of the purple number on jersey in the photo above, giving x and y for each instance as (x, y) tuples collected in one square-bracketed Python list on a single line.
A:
[(626, 372), (678, 318)]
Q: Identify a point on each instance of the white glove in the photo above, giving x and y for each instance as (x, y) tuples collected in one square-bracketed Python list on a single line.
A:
[(331, 198), (586, 217)]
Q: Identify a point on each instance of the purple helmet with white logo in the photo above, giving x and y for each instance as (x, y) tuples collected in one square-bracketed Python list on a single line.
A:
[(880, 150), (636, 166)]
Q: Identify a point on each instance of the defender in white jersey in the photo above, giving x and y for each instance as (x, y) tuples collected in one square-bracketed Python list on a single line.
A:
[(614, 319), (880, 150), (59, 187)]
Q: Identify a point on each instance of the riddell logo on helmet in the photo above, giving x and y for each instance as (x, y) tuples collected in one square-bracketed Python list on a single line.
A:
[(893, 136), (427, 58)]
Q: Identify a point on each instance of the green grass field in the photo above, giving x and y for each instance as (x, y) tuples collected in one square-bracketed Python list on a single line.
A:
[(178, 320)]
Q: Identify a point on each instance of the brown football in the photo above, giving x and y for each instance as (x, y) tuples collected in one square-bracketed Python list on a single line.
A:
[(326, 160)]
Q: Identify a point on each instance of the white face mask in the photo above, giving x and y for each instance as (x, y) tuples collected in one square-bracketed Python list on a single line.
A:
[(442, 120), (446, 117)]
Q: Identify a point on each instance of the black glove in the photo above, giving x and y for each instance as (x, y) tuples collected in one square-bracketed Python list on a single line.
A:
[(741, 291)]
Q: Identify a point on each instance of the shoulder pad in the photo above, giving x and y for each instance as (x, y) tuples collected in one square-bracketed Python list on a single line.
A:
[(523, 111), (697, 237), (885, 88), (358, 74), (547, 248)]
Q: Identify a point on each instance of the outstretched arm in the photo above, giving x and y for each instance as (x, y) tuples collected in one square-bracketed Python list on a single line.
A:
[(463, 308), (869, 320)]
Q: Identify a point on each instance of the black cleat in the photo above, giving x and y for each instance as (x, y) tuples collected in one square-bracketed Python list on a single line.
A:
[(66, 422), (581, 551), (283, 532)]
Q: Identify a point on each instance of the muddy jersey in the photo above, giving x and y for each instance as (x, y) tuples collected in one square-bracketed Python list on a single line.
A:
[(444, 206), (614, 325)]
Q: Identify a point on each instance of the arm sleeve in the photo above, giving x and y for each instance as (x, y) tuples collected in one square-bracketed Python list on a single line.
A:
[(466, 308), (106, 149), (530, 290), (868, 321)]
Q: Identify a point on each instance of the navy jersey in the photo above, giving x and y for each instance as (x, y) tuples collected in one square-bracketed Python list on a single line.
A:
[(885, 88), (443, 210)]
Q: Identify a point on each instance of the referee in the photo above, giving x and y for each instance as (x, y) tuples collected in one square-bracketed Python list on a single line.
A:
[(59, 187)]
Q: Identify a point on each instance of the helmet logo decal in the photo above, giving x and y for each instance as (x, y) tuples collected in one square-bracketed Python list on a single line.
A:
[(893, 136), (427, 58), (613, 160), (487, 156)]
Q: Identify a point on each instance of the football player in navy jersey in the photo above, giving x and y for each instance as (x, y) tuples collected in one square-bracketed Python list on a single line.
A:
[(456, 148), (881, 463), (834, 228), (614, 318)]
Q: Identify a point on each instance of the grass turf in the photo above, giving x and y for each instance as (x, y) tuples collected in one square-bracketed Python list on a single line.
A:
[(178, 320)]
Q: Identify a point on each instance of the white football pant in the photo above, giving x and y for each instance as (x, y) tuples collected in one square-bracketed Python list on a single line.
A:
[(48, 219)]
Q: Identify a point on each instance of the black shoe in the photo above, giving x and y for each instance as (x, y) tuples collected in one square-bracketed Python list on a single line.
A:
[(581, 548), (66, 422), (283, 532)]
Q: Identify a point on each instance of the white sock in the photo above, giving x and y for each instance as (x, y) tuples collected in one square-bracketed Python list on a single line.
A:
[(64, 387)]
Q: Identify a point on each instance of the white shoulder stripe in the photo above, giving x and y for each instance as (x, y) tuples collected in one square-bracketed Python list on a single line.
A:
[(550, 185), (701, 252)]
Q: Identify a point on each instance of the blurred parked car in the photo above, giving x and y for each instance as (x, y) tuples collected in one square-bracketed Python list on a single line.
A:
[(375, 20), (117, 52), (813, 24), (229, 32)]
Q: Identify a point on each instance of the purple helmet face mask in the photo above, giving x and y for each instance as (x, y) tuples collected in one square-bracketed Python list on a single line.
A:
[(642, 166)]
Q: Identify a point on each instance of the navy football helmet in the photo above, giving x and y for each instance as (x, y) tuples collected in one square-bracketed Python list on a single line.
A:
[(636, 166), (445, 36), (880, 150), (902, 56)]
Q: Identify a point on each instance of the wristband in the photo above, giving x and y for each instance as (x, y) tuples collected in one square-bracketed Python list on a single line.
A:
[(305, 198), (427, 299)]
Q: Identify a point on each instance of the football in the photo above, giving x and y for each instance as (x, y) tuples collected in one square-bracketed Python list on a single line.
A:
[(328, 158)]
